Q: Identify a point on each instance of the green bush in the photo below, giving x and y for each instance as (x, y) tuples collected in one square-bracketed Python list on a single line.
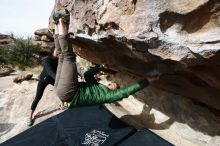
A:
[(21, 54)]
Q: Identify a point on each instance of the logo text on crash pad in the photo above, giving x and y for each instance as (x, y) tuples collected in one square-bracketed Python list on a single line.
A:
[(95, 138)]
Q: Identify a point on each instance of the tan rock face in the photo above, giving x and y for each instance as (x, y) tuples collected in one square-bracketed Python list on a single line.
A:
[(44, 38), (180, 38), (6, 40), (22, 77), (5, 70), (44, 32)]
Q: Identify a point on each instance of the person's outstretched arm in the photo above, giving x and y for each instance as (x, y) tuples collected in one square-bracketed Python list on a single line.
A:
[(118, 94), (47, 62), (89, 75)]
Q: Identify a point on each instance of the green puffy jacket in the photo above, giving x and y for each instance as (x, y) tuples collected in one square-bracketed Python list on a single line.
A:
[(93, 93)]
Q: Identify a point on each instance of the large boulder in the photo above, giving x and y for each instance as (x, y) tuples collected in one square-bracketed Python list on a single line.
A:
[(6, 40), (180, 38), (44, 38), (5, 70)]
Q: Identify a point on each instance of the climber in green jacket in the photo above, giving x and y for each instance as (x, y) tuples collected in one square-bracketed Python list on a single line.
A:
[(93, 93), (76, 93)]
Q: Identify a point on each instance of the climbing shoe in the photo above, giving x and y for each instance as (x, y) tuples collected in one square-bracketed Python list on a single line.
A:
[(64, 14), (30, 121)]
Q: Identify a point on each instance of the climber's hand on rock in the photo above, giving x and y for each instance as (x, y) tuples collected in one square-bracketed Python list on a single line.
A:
[(152, 79), (106, 66)]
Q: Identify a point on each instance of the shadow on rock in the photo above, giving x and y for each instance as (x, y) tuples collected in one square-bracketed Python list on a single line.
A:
[(147, 119), (6, 127), (180, 109), (45, 113)]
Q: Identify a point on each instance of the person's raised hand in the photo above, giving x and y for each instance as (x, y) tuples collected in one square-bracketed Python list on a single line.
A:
[(56, 53)]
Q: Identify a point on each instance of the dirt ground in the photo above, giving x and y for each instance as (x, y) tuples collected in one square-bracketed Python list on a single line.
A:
[(15, 102)]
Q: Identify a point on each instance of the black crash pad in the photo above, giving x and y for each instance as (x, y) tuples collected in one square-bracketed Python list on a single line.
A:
[(145, 137), (84, 126)]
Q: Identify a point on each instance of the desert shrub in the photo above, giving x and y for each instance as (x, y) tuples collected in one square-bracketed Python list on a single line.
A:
[(21, 54)]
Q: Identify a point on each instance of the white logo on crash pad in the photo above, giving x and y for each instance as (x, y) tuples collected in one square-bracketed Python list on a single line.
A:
[(95, 138)]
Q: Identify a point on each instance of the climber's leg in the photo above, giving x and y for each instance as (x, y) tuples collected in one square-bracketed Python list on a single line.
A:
[(68, 80), (58, 50)]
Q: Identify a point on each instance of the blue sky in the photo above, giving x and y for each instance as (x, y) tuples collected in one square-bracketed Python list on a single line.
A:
[(23, 17)]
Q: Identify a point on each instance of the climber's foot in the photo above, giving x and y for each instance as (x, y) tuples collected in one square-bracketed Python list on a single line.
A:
[(30, 121), (64, 14)]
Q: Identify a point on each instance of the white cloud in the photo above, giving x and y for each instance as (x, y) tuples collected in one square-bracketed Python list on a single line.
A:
[(23, 17)]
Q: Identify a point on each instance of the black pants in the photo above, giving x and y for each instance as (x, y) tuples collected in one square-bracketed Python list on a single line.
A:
[(42, 84)]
